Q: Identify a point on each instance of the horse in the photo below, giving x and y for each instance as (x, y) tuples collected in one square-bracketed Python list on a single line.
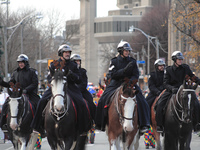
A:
[(20, 115), (123, 118), (60, 113), (178, 118), (154, 124)]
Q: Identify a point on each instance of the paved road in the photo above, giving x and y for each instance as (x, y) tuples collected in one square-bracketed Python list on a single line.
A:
[(101, 143)]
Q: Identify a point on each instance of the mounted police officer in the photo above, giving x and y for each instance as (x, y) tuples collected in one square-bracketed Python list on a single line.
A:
[(28, 79), (120, 67), (173, 79), (83, 85), (64, 51), (155, 82)]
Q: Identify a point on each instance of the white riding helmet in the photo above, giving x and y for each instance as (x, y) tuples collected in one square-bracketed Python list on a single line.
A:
[(64, 48), (75, 57), (22, 57), (177, 55)]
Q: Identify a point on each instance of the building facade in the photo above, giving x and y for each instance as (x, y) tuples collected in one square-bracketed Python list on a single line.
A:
[(110, 30)]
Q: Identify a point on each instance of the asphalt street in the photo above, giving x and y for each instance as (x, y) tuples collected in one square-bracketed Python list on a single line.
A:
[(101, 143)]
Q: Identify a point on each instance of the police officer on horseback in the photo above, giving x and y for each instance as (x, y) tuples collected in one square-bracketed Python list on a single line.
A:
[(155, 82), (83, 85), (120, 67), (28, 79), (173, 79), (73, 78)]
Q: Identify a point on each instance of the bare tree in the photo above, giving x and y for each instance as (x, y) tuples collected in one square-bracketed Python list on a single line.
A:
[(154, 23)]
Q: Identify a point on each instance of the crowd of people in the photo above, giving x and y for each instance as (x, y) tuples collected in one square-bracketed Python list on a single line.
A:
[(121, 66)]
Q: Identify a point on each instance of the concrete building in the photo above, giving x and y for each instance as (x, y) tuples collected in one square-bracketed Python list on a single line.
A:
[(93, 31)]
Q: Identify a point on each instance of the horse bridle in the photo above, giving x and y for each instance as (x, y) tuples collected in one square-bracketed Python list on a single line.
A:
[(121, 117), (176, 110), (20, 119), (57, 113)]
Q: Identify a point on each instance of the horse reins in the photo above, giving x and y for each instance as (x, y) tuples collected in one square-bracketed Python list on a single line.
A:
[(117, 108), (176, 109)]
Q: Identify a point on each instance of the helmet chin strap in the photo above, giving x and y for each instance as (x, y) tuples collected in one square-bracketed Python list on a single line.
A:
[(176, 64)]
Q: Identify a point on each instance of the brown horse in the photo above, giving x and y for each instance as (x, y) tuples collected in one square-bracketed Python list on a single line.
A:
[(154, 124), (123, 117)]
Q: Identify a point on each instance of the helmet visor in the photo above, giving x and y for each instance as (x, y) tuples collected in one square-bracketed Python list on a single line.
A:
[(127, 47)]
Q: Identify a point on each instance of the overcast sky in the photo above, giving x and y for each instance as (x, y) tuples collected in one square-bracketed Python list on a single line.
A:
[(70, 7)]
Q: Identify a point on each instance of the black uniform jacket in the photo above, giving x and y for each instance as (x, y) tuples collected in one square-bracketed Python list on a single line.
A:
[(155, 82), (28, 79), (116, 71), (175, 76), (83, 85)]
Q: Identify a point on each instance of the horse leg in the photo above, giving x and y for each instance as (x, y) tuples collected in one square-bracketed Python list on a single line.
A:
[(81, 142), (23, 143), (114, 143), (52, 142), (15, 141), (135, 142), (157, 138), (32, 141), (185, 142), (170, 143)]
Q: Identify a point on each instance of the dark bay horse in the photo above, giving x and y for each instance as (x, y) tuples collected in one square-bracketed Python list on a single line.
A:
[(61, 114), (178, 118), (20, 115), (123, 118)]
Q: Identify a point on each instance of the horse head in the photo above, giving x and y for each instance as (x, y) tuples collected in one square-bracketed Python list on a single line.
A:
[(185, 98), (128, 104), (16, 104), (58, 86)]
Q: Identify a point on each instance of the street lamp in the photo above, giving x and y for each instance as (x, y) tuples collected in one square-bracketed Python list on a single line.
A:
[(6, 40), (131, 29)]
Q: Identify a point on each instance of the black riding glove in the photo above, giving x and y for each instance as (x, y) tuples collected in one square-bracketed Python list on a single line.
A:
[(174, 90), (129, 66), (71, 75)]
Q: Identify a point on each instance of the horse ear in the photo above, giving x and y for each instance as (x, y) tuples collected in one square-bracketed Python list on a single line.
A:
[(135, 81), (187, 77), (17, 85)]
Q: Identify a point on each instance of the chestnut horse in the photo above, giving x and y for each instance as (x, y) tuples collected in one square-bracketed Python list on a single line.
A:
[(123, 118), (154, 124)]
